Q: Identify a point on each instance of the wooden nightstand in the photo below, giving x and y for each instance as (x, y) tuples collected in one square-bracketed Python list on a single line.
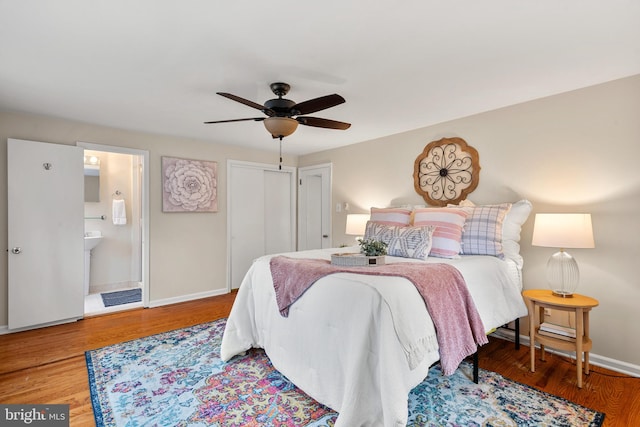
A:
[(537, 300)]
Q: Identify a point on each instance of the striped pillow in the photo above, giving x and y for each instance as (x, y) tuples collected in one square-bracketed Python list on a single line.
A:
[(406, 242), (449, 225), (391, 216)]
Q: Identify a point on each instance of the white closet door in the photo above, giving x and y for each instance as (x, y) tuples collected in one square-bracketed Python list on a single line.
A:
[(246, 217), (46, 233), (278, 233), (261, 214)]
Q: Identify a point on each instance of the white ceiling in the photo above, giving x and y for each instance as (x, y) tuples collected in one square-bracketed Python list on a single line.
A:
[(156, 65)]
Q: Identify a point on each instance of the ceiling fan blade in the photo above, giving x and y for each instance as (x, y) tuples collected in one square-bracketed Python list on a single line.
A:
[(317, 104), (255, 119), (247, 103), (323, 123)]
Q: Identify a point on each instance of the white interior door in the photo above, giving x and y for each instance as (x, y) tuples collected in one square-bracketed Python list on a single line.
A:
[(314, 207), (261, 214), (46, 233)]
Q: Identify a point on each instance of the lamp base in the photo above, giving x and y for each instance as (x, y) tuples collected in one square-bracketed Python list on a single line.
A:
[(562, 274), (562, 294)]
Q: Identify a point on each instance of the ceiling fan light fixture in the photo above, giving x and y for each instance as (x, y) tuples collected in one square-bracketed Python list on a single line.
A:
[(280, 126)]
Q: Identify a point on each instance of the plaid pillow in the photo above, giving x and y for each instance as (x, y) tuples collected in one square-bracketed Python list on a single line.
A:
[(483, 230)]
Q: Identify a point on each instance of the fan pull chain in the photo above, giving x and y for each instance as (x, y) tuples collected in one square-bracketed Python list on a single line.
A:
[(280, 165)]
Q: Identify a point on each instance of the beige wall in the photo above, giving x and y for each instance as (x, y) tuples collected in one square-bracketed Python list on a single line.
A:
[(188, 251), (573, 152)]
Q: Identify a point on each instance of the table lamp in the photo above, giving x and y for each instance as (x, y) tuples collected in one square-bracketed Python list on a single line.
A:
[(356, 225), (563, 230)]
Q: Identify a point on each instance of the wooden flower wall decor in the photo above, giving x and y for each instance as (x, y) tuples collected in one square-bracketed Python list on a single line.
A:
[(446, 171)]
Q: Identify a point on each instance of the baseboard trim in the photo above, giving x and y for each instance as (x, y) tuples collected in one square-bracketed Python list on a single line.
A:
[(185, 298), (4, 329), (594, 359)]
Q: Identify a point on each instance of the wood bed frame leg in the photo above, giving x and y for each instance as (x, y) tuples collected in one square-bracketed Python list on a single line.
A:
[(517, 340), (475, 367)]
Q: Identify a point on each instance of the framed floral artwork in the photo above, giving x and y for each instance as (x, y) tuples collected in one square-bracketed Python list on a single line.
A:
[(189, 185), (446, 171)]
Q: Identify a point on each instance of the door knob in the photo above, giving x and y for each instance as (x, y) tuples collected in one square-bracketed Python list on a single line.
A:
[(325, 235), (16, 250)]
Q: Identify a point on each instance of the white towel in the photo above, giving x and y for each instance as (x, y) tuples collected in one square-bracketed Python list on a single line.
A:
[(119, 213)]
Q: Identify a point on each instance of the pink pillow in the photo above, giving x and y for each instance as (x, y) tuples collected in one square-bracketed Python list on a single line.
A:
[(391, 216), (449, 225)]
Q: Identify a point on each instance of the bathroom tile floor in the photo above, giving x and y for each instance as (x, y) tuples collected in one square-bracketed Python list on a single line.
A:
[(93, 304)]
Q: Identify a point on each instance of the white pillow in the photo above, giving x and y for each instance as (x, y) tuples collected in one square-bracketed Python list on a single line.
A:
[(512, 227)]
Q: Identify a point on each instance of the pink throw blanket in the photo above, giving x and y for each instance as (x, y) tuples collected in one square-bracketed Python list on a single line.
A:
[(454, 314)]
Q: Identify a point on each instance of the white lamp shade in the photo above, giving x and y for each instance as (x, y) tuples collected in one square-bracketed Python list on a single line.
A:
[(563, 230), (356, 224), (280, 126)]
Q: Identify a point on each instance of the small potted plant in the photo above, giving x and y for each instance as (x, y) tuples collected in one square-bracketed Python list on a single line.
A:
[(373, 250), (372, 247)]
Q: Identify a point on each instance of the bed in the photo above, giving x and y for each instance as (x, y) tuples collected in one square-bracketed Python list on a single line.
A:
[(359, 343)]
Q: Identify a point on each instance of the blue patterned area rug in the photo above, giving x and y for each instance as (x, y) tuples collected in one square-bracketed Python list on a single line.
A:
[(121, 297), (177, 378)]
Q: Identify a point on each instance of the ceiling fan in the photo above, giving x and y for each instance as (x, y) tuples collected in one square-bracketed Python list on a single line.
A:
[(284, 115)]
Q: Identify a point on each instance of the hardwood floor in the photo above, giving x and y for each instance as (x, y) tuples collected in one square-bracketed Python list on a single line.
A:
[(615, 394), (48, 366)]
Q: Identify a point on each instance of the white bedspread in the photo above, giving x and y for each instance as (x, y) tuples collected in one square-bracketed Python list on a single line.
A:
[(341, 343)]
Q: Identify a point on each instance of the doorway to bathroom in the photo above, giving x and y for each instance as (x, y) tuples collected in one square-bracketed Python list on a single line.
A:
[(116, 228)]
